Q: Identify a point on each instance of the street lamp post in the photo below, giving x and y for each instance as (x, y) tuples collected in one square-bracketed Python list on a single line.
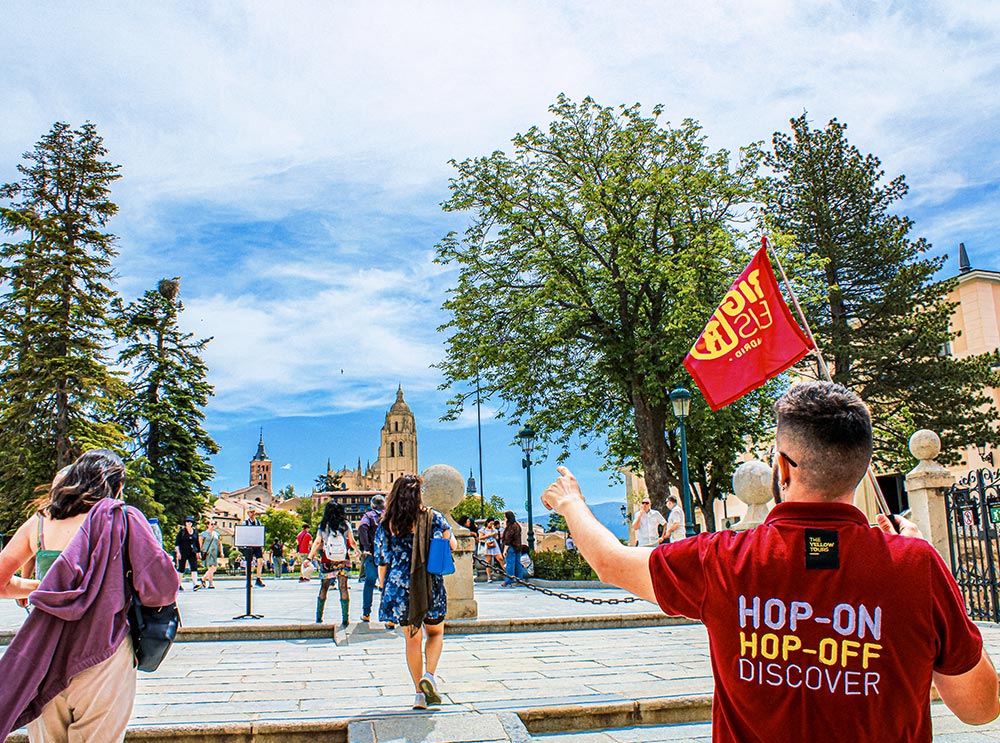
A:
[(680, 401), (479, 431), (527, 438)]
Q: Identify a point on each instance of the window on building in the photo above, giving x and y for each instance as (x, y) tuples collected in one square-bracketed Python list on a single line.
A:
[(392, 450), (390, 477), (396, 424), (400, 448)]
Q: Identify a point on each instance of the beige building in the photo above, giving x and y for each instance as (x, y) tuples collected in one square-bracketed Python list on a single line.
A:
[(977, 321)]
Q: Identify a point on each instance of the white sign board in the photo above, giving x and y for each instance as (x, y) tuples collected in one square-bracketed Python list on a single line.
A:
[(249, 536)]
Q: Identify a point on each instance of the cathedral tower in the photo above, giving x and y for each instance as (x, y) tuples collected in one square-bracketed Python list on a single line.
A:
[(260, 467), (397, 455)]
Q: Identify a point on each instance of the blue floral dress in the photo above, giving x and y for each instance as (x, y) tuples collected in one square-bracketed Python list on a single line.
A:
[(394, 551)]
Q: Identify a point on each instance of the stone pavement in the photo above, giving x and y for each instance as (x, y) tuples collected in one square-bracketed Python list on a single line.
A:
[(557, 680)]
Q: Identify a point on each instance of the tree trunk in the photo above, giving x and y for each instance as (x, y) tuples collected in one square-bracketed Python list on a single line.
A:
[(650, 425)]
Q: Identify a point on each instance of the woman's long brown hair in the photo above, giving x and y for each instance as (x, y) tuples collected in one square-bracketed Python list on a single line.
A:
[(403, 505), (97, 474)]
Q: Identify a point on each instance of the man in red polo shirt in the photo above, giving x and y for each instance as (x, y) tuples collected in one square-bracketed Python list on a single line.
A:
[(822, 628)]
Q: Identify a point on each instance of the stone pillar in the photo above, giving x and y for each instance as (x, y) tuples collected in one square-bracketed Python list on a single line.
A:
[(925, 487), (752, 485), (443, 489)]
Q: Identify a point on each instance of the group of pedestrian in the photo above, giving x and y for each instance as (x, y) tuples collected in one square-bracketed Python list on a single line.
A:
[(652, 529), (501, 549), (190, 546), (781, 603)]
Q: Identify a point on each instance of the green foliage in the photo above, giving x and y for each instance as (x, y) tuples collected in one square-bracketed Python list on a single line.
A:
[(57, 397), (280, 525), (473, 507), (285, 493), (328, 482), (869, 292), (557, 522), (169, 391), (564, 565), (596, 253), (305, 512)]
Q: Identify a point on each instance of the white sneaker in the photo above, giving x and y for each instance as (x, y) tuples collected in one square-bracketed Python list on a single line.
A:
[(419, 701), (428, 685)]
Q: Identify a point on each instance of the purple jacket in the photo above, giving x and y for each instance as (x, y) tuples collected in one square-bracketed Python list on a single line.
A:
[(79, 619)]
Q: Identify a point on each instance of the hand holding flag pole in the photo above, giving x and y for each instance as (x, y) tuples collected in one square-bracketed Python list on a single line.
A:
[(753, 337)]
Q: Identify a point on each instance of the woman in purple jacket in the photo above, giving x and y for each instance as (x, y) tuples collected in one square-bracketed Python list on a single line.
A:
[(69, 672)]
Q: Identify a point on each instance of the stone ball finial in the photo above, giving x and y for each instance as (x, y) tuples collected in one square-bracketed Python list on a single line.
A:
[(752, 483), (925, 445), (444, 488)]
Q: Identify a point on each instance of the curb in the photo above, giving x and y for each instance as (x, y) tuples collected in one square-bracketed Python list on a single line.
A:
[(557, 719), (233, 633)]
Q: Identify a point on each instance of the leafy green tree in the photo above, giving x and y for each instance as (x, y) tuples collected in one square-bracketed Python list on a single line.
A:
[(169, 393), (305, 512), (285, 493), (596, 253), (879, 316), (280, 525), (557, 522), (328, 482), (57, 397), (471, 506)]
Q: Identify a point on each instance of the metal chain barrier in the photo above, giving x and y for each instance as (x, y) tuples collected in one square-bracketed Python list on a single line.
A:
[(556, 594)]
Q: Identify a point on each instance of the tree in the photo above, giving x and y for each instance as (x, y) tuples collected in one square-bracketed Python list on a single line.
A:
[(305, 511), (472, 506), (557, 522), (285, 493), (169, 391), (281, 525), (328, 482), (57, 398), (596, 254), (879, 316)]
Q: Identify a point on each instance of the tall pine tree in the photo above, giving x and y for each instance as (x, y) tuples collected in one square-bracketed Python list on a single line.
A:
[(880, 317), (166, 408), (57, 396)]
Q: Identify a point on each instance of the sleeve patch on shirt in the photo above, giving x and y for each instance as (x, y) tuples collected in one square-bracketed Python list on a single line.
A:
[(822, 549)]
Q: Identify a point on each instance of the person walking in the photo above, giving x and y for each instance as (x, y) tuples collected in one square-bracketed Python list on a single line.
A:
[(68, 673), (490, 537), (277, 558), (511, 543), (411, 596), (820, 627), (334, 541), (304, 542), (210, 548), (187, 547), (366, 543), (674, 531)]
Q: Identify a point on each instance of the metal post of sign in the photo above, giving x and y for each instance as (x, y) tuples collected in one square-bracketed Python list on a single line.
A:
[(248, 537)]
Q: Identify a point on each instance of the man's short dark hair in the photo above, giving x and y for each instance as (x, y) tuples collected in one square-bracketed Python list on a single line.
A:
[(672, 499), (829, 430)]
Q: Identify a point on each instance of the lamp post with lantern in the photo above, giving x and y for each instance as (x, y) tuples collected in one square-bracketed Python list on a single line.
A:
[(526, 437), (680, 401)]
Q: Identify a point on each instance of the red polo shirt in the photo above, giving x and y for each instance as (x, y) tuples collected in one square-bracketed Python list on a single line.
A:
[(821, 627)]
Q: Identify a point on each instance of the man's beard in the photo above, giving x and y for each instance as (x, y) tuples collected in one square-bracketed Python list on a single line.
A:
[(776, 484)]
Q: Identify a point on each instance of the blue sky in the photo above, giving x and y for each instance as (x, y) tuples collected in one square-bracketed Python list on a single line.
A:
[(288, 160)]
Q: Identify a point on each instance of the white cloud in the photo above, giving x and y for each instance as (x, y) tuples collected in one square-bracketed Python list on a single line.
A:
[(286, 466)]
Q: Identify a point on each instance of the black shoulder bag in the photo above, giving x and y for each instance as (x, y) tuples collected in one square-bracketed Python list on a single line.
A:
[(153, 628)]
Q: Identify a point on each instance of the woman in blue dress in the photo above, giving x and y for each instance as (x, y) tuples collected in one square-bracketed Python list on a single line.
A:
[(411, 597)]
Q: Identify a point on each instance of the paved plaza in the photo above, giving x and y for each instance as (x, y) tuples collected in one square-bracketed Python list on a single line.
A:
[(364, 674)]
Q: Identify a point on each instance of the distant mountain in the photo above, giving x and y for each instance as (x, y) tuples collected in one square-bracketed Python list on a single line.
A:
[(608, 513)]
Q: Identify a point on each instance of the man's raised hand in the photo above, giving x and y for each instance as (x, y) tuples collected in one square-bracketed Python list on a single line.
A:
[(564, 491)]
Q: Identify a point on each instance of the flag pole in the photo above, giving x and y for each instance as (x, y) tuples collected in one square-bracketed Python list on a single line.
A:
[(883, 506)]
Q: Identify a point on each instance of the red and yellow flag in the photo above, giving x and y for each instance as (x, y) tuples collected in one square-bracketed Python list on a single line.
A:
[(750, 338)]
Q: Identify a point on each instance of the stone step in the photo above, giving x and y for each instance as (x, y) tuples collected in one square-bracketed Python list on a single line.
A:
[(428, 727)]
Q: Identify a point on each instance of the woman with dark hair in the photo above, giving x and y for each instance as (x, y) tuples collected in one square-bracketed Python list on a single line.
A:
[(334, 540), (511, 540), (411, 596), (69, 671), (491, 539)]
